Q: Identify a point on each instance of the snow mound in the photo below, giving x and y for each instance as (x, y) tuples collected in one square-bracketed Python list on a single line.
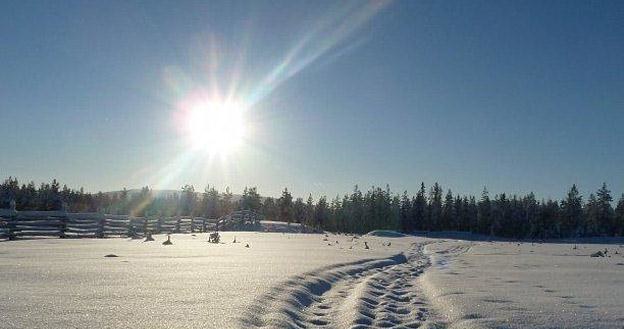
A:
[(386, 234)]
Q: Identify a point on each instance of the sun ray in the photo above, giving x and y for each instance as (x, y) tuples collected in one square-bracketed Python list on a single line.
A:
[(210, 114)]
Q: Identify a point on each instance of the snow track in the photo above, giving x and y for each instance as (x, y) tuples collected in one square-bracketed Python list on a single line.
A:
[(380, 293)]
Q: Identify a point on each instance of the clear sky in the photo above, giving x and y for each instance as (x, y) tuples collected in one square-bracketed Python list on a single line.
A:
[(516, 95)]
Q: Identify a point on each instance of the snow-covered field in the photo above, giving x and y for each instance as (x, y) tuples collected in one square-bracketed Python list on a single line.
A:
[(527, 285), (307, 280)]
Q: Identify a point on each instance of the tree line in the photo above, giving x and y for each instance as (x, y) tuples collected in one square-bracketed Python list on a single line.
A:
[(358, 212)]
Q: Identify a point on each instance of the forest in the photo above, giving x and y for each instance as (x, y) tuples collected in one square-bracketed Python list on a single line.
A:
[(433, 209)]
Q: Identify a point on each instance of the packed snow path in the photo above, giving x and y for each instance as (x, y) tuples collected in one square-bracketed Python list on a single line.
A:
[(381, 293)]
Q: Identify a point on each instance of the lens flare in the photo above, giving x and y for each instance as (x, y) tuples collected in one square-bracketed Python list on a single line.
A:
[(216, 127), (216, 98)]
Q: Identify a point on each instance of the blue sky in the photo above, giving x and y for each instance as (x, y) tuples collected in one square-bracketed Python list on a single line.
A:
[(519, 96)]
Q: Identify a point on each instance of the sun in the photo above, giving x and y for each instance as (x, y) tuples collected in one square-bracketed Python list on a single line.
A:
[(216, 127)]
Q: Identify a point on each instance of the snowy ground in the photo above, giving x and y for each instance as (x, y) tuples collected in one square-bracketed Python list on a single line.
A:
[(54, 283), (526, 285), (307, 280)]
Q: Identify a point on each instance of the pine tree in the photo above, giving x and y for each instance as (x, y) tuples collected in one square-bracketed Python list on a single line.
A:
[(484, 213), (9, 190), (270, 209), (27, 199), (188, 200), (251, 199), (309, 211), (393, 221), (419, 209), (572, 213), (140, 203), (226, 206), (605, 210), (124, 199), (532, 216), (285, 206), (348, 223), (211, 202), (446, 218), (549, 219), (356, 210), (499, 215), (460, 215), (473, 213), (298, 210), (517, 217), (435, 207), (405, 213), (619, 216), (335, 217), (321, 212), (592, 211), (54, 199)]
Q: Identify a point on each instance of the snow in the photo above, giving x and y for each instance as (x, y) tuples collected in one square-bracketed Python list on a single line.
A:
[(63, 283), (526, 285), (308, 280)]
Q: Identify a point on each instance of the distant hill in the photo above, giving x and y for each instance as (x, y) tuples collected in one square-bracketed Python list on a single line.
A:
[(169, 193)]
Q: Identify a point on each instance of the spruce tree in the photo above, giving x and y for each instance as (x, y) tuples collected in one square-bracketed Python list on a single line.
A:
[(549, 219), (572, 213), (393, 221), (532, 215), (592, 214), (211, 202), (356, 210), (188, 200), (435, 207), (405, 213), (269, 209), (460, 215), (285, 206), (226, 206), (298, 210), (473, 215), (9, 190), (321, 213), (499, 215), (605, 210), (309, 211), (251, 199), (447, 212), (619, 217), (484, 213), (419, 209)]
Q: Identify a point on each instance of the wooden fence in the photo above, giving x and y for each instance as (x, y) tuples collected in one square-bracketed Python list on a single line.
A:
[(16, 224)]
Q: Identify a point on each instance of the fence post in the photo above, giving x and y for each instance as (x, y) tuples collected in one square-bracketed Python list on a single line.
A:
[(64, 220), (100, 228), (145, 225), (177, 224), (130, 231), (11, 225), (11, 220), (159, 224)]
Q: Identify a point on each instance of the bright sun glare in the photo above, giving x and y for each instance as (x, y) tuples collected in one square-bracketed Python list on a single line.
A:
[(216, 127)]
